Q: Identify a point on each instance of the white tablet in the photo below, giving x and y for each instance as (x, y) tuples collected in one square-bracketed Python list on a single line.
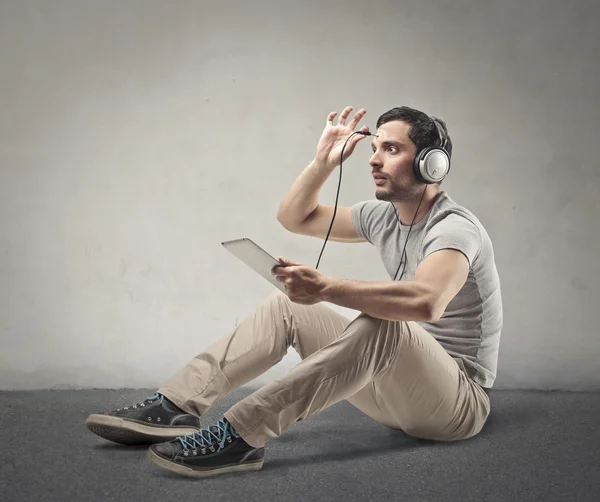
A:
[(256, 258)]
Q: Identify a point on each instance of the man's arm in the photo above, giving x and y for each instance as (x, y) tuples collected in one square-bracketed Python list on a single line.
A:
[(438, 279), (300, 211)]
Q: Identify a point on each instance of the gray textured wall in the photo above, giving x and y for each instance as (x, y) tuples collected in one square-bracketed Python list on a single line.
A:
[(135, 136)]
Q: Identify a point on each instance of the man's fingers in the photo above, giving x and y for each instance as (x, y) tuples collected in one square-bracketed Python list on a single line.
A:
[(356, 119), (344, 115), (354, 141), (358, 137), (280, 271)]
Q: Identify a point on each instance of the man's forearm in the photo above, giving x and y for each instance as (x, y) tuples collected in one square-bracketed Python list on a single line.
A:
[(390, 300), (303, 196)]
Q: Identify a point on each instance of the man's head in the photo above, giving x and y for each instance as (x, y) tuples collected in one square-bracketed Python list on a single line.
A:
[(401, 133)]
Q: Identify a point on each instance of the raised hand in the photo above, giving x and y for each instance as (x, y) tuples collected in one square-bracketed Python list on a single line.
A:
[(329, 148)]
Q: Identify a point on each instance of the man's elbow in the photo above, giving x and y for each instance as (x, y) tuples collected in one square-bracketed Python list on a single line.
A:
[(433, 309), (283, 222)]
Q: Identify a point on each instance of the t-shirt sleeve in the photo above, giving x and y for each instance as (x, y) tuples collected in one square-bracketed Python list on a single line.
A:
[(454, 232), (365, 218)]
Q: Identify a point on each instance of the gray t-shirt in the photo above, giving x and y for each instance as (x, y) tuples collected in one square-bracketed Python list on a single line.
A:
[(471, 325)]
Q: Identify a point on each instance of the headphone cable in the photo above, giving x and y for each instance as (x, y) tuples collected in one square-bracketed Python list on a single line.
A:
[(338, 193), (403, 254), (403, 257)]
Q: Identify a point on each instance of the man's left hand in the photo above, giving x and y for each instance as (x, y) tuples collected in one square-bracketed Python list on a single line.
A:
[(305, 285)]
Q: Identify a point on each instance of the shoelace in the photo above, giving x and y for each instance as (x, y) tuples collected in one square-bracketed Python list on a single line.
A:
[(221, 432), (150, 399)]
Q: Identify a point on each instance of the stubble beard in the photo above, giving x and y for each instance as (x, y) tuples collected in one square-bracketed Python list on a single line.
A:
[(394, 193)]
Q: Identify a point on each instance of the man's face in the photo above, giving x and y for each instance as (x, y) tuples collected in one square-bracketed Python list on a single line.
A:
[(393, 157)]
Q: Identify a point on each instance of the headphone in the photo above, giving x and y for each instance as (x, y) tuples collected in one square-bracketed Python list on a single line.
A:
[(431, 165)]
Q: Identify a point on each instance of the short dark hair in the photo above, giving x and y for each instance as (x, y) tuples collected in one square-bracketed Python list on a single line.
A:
[(423, 132)]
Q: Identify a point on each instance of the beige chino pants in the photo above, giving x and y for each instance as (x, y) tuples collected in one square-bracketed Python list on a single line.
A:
[(395, 372)]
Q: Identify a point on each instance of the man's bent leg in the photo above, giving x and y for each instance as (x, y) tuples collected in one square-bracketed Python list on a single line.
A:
[(259, 342), (336, 372), (428, 392)]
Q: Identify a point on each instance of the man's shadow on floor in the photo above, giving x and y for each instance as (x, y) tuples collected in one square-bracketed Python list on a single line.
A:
[(373, 440)]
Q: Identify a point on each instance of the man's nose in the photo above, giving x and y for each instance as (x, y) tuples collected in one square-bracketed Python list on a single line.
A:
[(374, 161)]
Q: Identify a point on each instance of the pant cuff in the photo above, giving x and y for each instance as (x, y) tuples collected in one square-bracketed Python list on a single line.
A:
[(177, 401), (247, 436)]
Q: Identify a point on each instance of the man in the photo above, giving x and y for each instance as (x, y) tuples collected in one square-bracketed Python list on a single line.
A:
[(419, 357)]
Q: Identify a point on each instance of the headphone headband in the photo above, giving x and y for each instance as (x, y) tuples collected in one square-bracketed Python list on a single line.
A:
[(442, 135)]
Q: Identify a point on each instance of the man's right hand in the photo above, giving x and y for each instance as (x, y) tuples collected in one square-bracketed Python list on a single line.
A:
[(329, 149)]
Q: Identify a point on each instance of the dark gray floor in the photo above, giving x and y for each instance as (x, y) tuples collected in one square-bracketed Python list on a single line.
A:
[(536, 446)]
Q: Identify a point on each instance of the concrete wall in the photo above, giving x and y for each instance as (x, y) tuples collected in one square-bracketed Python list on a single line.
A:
[(135, 136)]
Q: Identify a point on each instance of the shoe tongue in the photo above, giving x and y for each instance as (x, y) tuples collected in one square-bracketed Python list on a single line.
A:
[(215, 430)]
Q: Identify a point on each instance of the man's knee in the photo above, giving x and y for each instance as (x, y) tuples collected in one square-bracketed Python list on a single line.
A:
[(382, 327), (276, 298)]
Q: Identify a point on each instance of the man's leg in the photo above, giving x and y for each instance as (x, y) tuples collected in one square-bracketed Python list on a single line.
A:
[(367, 354), (258, 343), (394, 371), (336, 372), (429, 393), (255, 345)]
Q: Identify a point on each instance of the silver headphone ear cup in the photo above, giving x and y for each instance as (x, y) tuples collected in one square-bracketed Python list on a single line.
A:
[(434, 165)]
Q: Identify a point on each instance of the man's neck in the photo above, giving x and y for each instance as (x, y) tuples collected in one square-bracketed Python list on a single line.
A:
[(406, 210)]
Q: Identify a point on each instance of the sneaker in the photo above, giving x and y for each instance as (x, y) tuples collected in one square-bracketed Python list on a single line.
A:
[(216, 450), (154, 420)]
